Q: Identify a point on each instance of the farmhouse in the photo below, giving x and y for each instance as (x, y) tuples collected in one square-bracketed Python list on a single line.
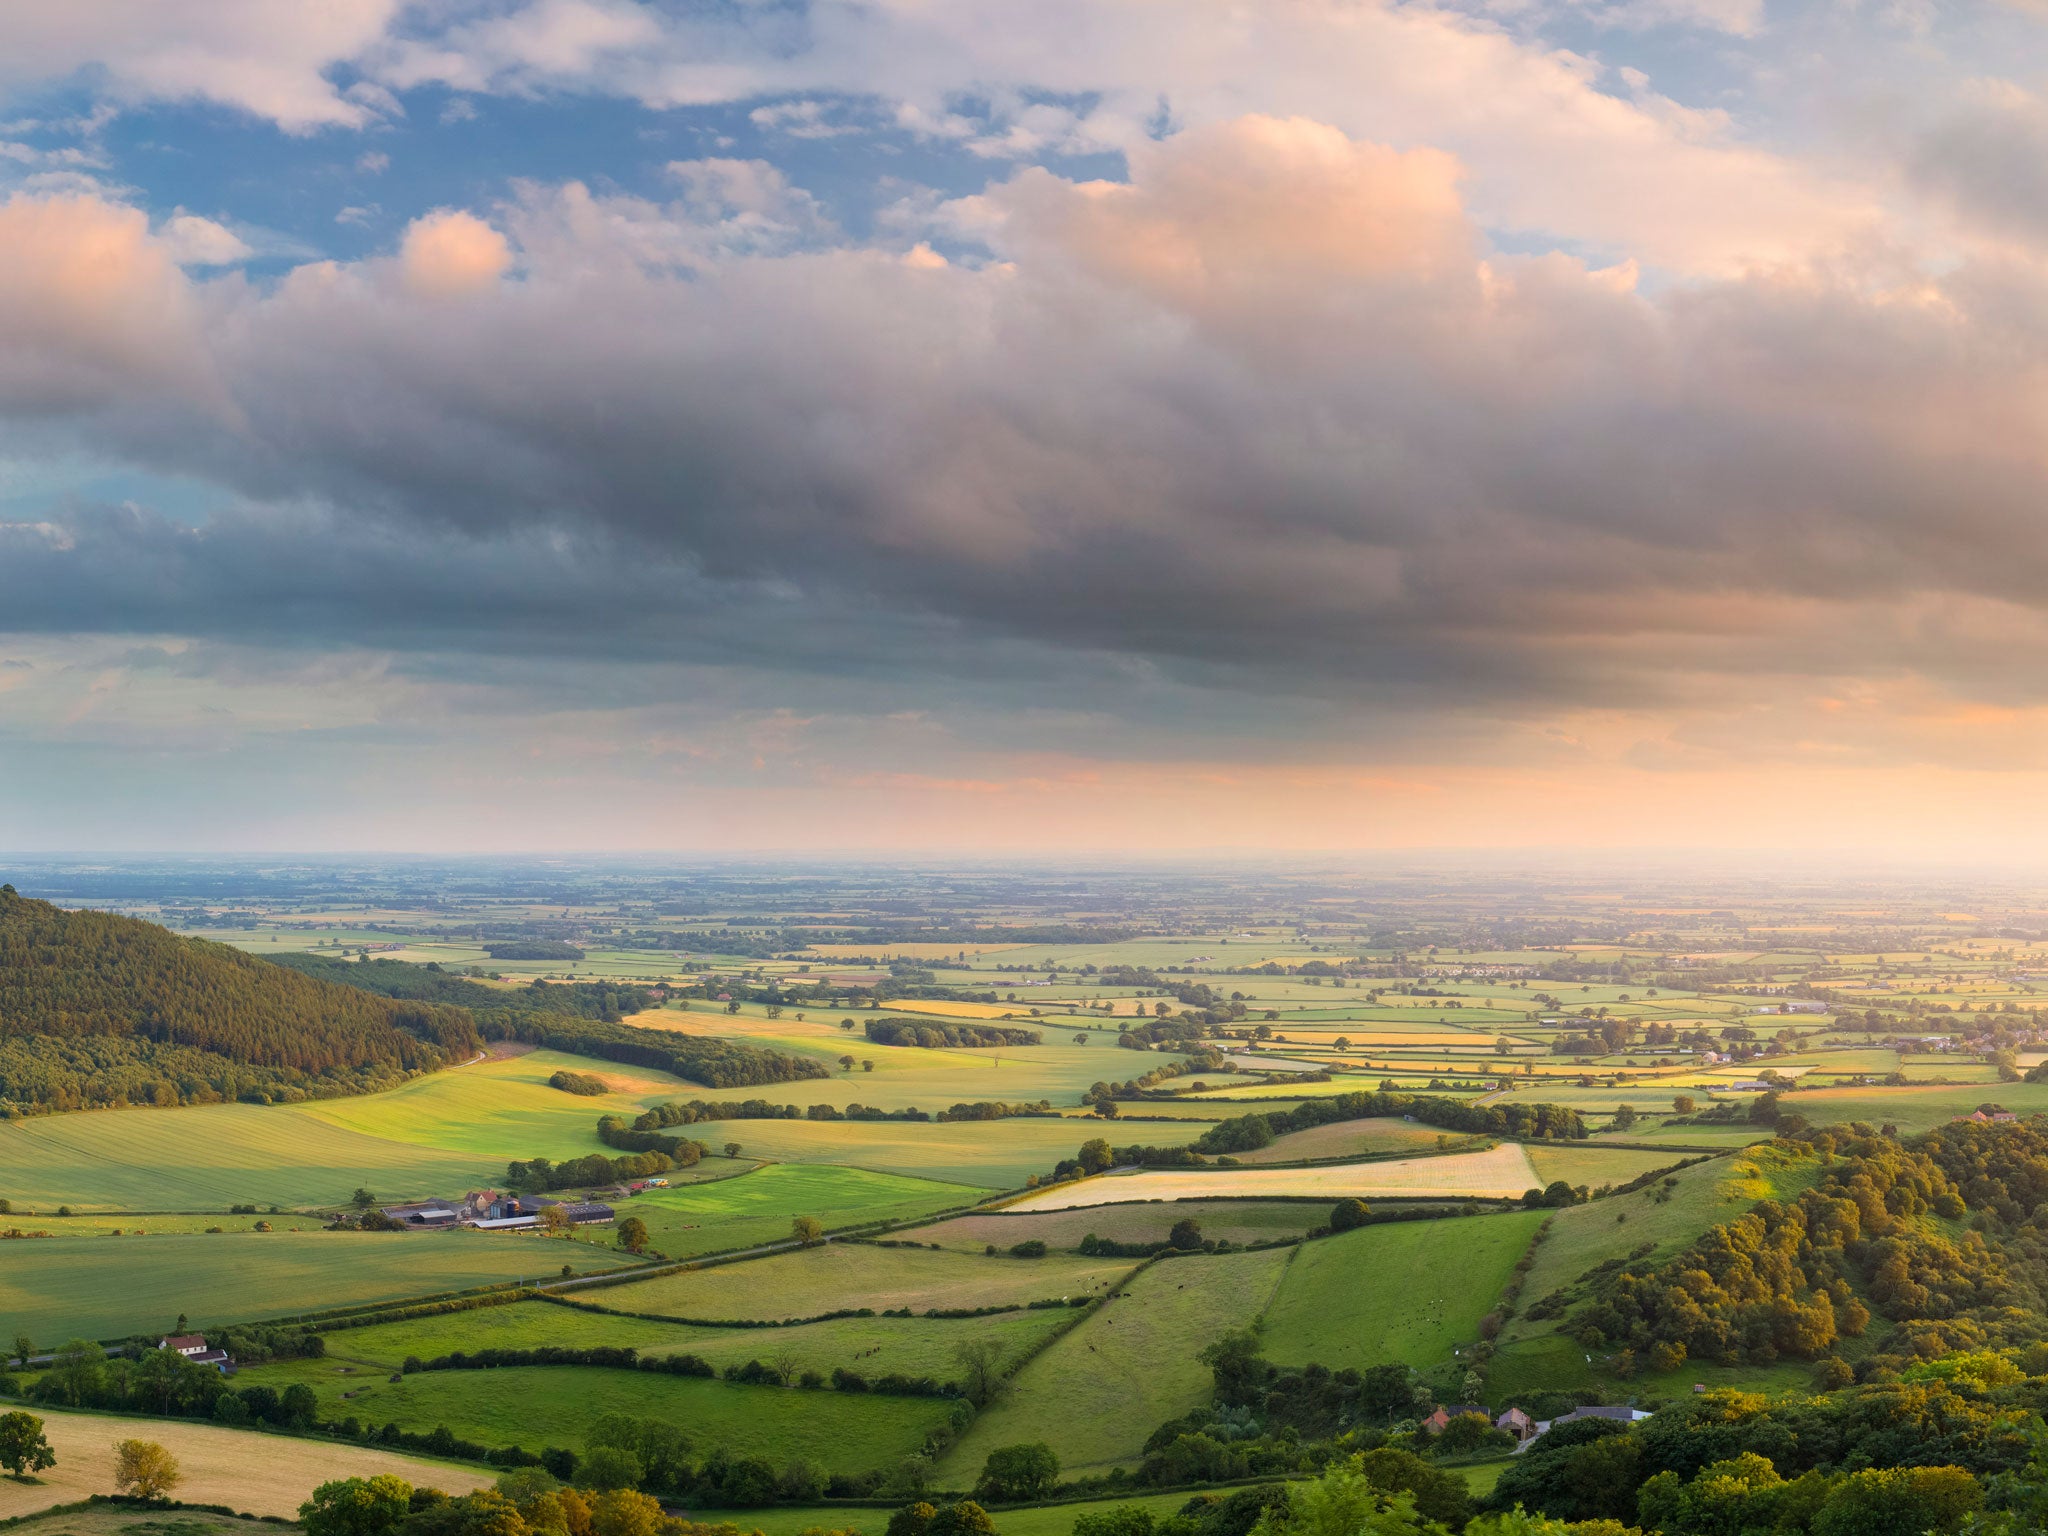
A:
[(1990, 1116), (1437, 1422), (514, 1212), (193, 1347)]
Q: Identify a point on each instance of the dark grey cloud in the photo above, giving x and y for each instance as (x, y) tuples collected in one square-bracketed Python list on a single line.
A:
[(1269, 421)]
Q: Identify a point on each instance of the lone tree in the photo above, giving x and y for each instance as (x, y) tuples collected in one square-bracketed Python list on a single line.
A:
[(1186, 1234), (1684, 1104), (22, 1447), (362, 1199), (732, 1149), (144, 1470), (807, 1230), (1346, 1215), (1624, 1116), (981, 1368), (633, 1235), (846, 1063)]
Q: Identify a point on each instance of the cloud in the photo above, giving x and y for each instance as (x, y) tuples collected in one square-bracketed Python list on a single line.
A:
[(264, 59), (448, 253), (1273, 420), (192, 241)]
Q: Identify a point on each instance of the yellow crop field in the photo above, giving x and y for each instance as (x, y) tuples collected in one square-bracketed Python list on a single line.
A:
[(257, 1473), (1500, 1172), (905, 951), (941, 1008)]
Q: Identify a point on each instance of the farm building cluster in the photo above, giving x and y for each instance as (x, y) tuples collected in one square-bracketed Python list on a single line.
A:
[(488, 1211)]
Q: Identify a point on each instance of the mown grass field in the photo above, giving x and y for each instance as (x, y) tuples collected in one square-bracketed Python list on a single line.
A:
[(811, 1281), (1098, 1392), (1239, 1221), (243, 1469), (536, 1406), (1406, 1291), (1501, 1171), (758, 1207), (871, 1345), (108, 1287), (1346, 1138)]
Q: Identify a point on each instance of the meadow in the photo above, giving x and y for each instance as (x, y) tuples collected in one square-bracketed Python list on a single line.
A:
[(810, 1281), (1346, 1138), (1237, 1221), (243, 1469), (536, 1406), (998, 1154), (872, 1345), (112, 1287), (1100, 1390), (1500, 1172), (1408, 1291), (758, 1206)]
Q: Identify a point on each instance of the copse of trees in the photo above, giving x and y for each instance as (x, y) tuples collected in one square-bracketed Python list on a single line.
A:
[(97, 1009), (935, 1035)]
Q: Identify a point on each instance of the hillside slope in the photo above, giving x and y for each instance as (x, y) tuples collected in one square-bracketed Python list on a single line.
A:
[(98, 1010), (582, 1018)]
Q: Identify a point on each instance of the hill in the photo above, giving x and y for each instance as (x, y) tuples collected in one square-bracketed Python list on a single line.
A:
[(100, 1010), (582, 1018)]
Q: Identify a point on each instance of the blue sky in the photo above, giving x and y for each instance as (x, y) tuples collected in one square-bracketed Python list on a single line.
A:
[(1099, 423)]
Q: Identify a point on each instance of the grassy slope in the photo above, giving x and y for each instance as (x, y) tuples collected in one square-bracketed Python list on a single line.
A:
[(1099, 1391), (1407, 1291), (108, 1287), (1536, 1354), (872, 1345), (840, 1275), (437, 1135), (536, 1406), (262, 1474)]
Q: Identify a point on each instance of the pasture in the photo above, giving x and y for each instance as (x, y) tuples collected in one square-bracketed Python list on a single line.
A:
[(110, 1287), (1238, 1221), (998, 1154), (243, 1469), (810, 1281), (1347, 1138), (1100, 1390), (535, 1406), (1593, 1165), (757, 1207), (1500, 1172), (1406, 1291), (871, 1345)]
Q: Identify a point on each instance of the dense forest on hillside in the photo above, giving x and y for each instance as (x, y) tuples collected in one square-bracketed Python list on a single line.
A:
[(1883, 1232), (101, 1010), (583, 1018)]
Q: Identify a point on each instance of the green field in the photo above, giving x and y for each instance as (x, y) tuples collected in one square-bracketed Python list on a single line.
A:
[(841, 1275), (537, 1406), (1406, 1291), (758, 1207), (1099, 1391), (1592, 1164), (871, 1345), (989, 1153), (1347, 1138), (436, 1136), (108, 1287), (1238, 1221)]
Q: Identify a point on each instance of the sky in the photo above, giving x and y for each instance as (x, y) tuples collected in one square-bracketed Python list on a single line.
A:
[(1029, 425)]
